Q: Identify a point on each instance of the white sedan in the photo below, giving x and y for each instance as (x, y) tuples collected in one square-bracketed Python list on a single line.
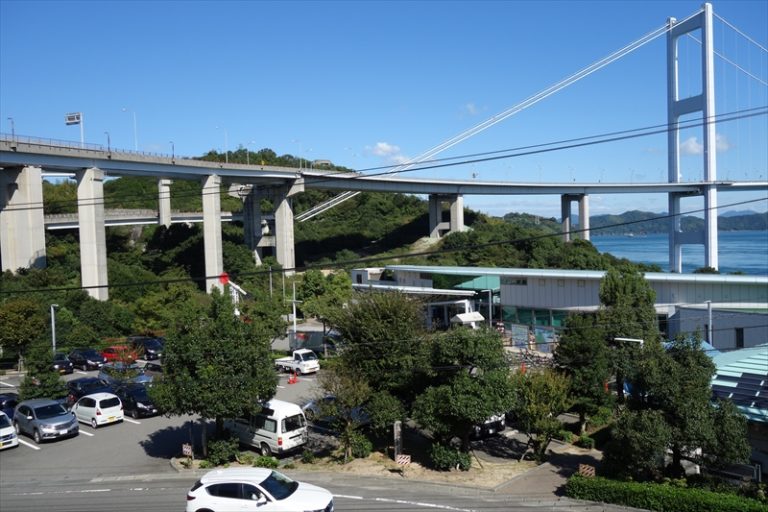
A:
[(98, 409), (259, 489)]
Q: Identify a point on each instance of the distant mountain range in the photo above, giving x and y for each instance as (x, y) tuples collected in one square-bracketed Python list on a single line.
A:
[(638, 222)]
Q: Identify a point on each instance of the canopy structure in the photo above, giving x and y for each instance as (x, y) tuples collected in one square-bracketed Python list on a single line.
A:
[(467, 318)]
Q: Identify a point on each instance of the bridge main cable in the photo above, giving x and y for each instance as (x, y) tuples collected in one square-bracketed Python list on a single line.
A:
[(528, 102)]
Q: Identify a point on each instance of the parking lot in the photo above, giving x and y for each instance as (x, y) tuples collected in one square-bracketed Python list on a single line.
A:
[(131, 447)]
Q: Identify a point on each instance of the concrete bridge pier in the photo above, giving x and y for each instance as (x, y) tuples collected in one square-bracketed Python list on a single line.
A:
[(565, 209), (93, 244), (456, 207), (255, 231), (22, 226), (285, 251), (164, 202), (212, 244)]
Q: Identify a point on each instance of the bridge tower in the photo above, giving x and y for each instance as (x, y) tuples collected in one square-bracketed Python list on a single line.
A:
[(678, 107)]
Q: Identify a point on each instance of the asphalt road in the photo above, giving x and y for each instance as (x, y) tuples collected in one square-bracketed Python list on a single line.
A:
[(125, 467)]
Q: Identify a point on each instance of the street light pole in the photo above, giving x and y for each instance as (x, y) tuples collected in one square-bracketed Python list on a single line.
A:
[(109, 143), (53, 326), (173, 152), (13, 129), (135, 133)]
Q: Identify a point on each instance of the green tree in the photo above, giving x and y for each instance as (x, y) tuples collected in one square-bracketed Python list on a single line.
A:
[(627, 311), (638, 445), (350, 396), (539, 398), (22, 321), (322, 296), (676, 382), (470, 383), (584, 356), (41, 381), (215, 366), (384, 343)]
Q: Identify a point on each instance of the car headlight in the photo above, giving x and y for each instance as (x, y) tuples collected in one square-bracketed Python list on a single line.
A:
[(142, 406)]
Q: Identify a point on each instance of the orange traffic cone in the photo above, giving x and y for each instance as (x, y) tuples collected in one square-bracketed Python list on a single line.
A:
[(292, 379), (522, 367)]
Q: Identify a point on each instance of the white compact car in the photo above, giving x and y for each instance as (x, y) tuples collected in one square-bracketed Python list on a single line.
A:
[(98, 409), (8, 437), (254, 489)]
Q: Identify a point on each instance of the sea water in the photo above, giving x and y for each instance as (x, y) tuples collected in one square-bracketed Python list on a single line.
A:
[(738, 251)]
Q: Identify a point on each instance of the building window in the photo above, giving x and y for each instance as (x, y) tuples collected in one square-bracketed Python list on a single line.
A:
[(739, 337), (359, 278)]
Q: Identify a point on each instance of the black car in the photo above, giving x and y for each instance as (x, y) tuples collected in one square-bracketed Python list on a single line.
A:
[(8, 403), (87, 359), (61, 363), (136, 400), (149, 348), (78, 388)]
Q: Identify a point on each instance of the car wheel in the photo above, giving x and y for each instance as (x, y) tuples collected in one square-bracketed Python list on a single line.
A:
[(36, 437), (266, 451), (93, 423), (310, 414), (17, 428), (134, 414)]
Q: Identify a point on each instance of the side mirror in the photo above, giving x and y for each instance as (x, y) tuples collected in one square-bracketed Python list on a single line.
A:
[(30, 418), (262, 500)]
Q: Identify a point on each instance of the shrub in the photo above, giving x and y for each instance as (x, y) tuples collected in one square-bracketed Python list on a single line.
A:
[(246, 458), (262, 461), (602, 417), (222, 451), (565, 436), (307, 457), (651, 496), (586, 442), (361, 446), (445, 458)]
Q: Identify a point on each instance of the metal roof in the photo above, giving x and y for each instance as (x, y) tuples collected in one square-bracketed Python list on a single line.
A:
[(742, 376), (577, 274), (414, 290)]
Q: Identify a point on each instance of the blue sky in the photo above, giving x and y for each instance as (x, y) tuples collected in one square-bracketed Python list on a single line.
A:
[(367, 84)]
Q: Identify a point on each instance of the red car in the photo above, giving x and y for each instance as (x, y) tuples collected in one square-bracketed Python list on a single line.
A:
[(119, 353)]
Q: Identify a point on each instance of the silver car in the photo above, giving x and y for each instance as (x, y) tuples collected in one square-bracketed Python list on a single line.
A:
[(44, 419)]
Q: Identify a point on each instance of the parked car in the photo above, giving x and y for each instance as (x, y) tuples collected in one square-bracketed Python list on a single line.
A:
[(493, 425), (122, 353), (78, 388), (120, 373), (153, 369), (302, 361), (8, 437), (136, 400), (255, 489), (87, 358), (8, 403), (279, 427), (44, 419), (98, 409), (61, 363), (316, 411), (147, 347)]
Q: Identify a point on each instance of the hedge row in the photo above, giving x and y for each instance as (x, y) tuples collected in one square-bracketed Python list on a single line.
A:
[(657, 497)]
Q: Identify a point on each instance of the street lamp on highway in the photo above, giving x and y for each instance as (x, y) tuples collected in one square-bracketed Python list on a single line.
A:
[(53, 326), (135, 136), (109, 143), (13, 129), (173, 152)]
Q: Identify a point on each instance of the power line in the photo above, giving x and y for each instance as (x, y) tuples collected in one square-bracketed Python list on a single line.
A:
[(347, 263), (472, 158)]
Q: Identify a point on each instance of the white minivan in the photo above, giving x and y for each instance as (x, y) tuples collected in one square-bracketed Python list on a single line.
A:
[(279, 427)]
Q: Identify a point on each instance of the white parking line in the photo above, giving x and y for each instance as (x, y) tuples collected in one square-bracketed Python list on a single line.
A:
[(81, 372), (21, 441), (132, 421), (6, 384), (86, 433), (404, 502)]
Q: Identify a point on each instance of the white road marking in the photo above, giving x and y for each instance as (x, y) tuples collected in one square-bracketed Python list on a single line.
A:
[(86, 433), (21, 441), (81, 372), (132, 421), (6, 384), (405, 502)]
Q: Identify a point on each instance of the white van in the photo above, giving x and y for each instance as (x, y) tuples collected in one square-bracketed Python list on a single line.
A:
[(280, 427)]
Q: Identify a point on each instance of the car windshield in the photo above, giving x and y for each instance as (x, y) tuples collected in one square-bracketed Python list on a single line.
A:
[(59, 357), (153, 344), (279, 485), (139, 393), (309, 356), (49, 411), (91, 354), (4, 421)]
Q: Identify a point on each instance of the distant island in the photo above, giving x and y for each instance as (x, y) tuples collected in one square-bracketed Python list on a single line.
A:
[(636, 222)]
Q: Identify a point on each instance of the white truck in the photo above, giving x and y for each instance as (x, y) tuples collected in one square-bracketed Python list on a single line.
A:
[(303, 361)]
